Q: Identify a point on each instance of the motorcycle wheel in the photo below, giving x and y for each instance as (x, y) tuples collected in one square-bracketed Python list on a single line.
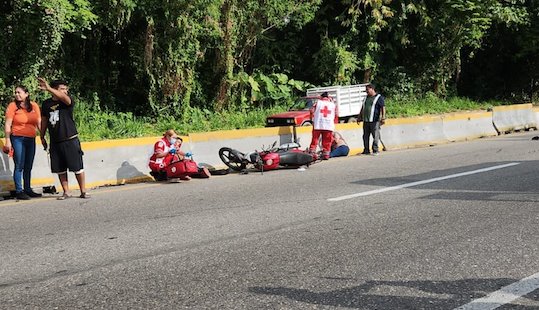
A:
[(232, 158)]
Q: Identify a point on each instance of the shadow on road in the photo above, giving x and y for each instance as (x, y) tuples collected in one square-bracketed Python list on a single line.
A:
[(400, 294)]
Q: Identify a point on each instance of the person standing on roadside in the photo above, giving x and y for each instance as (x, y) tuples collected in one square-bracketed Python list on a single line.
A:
[(373, 115), (324, 115), (65, 149), (23, 120)]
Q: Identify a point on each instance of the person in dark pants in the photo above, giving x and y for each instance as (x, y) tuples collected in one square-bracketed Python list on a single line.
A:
[(23, 120), (65, 150), (373, 115)]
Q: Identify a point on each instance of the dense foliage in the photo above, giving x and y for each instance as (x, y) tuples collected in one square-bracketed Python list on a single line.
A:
[(188, 59)]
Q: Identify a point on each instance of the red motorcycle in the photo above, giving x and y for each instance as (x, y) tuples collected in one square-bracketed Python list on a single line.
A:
[(287, 155)]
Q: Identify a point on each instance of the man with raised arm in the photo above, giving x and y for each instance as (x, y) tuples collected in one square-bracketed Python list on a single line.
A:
[(65, 150)]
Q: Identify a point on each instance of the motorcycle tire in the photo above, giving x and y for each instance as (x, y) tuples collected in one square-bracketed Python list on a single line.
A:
[(232, 158)]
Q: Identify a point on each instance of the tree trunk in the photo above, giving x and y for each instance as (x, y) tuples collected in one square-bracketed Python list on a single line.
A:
[(148, 44), (436, 87), (226, 57), (367, 75), (458, 70)]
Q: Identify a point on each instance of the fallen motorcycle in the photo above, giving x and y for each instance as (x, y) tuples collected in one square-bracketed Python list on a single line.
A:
[(287, 155)]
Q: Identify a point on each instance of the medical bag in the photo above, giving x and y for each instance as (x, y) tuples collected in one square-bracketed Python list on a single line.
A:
[(181, 168)]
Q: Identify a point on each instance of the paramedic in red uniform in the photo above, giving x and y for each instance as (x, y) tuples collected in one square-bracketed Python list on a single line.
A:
[(167, 154), (324, 114), (163, 154)]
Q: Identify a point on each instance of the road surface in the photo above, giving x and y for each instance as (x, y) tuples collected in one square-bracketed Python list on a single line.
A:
[(443, 227)]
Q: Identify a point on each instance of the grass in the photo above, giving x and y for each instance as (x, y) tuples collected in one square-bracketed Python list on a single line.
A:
[(433, 106), (94, 125)]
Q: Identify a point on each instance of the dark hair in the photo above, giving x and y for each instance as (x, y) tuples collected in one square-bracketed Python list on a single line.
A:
[(26, 101), (371, 85), (56, 83), (324, 95)]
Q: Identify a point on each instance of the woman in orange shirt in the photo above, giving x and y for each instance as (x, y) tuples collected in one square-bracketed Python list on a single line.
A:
[(23, 119)]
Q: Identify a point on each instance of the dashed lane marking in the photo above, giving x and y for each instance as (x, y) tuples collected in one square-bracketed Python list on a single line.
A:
[(393, 188)]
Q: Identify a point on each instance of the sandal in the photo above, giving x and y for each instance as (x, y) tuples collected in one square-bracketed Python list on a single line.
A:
[(84, 195), (205, 172), (63, 197)]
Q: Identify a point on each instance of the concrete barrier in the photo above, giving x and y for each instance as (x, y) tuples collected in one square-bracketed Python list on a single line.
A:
[(413, 132), (514, 117), (398, 133), (115, 162), (126, 161), (466, 126)]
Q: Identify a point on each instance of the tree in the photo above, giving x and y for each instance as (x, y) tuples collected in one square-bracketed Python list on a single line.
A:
[(507, 64), (425, 37), (33, 34), (242, 25)]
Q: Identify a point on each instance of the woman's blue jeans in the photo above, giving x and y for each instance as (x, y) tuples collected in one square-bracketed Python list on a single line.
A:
[(342, 150), (24, 151)]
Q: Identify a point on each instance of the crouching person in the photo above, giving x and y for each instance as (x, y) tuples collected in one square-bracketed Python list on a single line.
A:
[(164, 152), (168, 162)]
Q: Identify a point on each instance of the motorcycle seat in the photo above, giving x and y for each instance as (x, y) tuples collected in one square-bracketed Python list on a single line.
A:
[(289, 146)]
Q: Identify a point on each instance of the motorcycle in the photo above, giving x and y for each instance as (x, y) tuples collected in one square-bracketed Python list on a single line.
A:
[(286, 155)]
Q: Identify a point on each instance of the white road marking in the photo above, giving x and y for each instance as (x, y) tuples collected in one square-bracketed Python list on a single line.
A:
[(504, 295), (393, 188)]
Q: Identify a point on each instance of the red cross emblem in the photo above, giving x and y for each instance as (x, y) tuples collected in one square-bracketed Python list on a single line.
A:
[(325, 111)]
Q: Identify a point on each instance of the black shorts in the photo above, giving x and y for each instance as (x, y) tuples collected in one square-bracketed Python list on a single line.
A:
[(66, 155)]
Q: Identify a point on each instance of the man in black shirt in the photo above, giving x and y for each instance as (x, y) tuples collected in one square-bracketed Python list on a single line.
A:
[(65, 149)]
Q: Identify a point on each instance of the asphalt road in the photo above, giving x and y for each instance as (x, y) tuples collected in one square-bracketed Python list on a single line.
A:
[(428, 228)]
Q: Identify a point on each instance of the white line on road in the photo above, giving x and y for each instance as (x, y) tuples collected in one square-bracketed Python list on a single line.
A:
[(504, 295), (392, 188)]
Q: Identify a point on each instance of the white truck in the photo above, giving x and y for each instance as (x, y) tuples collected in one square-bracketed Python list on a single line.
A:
[(349, 99)]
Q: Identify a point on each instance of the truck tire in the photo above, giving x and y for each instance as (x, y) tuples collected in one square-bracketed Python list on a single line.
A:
[(307, 123)]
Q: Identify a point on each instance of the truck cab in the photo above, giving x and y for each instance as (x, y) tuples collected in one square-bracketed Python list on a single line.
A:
[(298, 115)]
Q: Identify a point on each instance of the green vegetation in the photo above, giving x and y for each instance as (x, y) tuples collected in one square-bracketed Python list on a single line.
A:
[(102, 125), (94, 124), (140, 66), (431, 104)]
